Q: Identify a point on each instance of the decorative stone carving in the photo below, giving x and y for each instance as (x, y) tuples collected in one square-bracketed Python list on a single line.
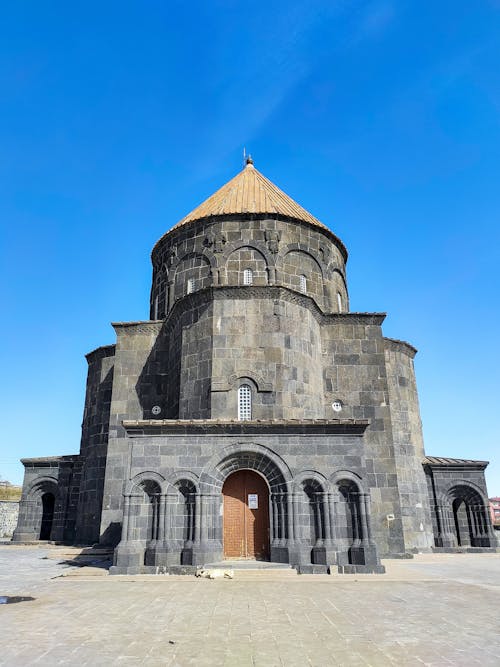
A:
[(215, 240), (324, 253), (172, 255), (225, 384), (273, 239)]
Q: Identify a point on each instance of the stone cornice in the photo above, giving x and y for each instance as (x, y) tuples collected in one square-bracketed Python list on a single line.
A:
[(101, 351), (208, 295), (275, 292), (50, 461), (144, 427), (400, 346), (443, 463), (142, 327)]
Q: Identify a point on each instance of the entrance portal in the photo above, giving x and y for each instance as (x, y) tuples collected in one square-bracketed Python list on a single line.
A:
[(246, 516), (48, 502)]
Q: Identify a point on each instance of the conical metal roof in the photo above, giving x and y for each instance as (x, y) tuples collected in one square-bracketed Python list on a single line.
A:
[(250, 192)]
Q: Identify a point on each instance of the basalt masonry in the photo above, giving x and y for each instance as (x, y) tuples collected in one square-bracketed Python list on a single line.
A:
[(253, 415), (9, 512)]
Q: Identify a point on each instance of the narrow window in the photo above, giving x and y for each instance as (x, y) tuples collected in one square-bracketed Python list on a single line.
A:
[(190, 285), (248, 277), (339, 302), (156, 308), (303, 284), (245, 402)]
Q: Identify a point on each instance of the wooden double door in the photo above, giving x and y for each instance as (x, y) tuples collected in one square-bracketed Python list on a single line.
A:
[(246, 516)]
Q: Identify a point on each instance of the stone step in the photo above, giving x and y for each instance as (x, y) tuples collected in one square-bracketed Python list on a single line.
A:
[(263, 575), (253, 565)]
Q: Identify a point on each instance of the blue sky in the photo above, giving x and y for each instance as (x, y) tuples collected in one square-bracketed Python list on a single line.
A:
[(381, 118)]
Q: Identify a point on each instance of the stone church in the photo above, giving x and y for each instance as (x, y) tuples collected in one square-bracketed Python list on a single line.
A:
[(253, 416)]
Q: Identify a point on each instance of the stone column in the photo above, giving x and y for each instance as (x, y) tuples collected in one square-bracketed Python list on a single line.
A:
[(332, 516), (126, 519), (355, 509), (154, 519), (129, 554), (474, 524), (171, 296), (490, 531), (445, 538), (161, 518), (203, 519), (297, 528), (290, 522), (197, 519), (272, 275), (282, 518), (275, 519), (326, 518), (210, 548), (318, 501), (368, 518)]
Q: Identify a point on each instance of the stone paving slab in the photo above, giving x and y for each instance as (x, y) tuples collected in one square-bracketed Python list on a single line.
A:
[(433, 610)]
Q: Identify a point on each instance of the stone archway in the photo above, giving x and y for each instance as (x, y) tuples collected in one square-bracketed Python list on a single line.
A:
[(245, 516), (469, 517), (39, 512)]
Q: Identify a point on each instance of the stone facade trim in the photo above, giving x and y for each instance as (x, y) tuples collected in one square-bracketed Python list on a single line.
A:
[(438, 463), (181, 231), (103, 350), (49, 461), (226, 384), (400, 346), (143, 427), (141, 327), (217, 292)]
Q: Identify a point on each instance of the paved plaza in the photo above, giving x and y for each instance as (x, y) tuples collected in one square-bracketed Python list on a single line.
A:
[(432, 610)]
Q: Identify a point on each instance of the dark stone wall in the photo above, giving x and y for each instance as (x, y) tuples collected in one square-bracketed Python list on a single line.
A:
[(94, 442), (268, 337), (217, 251), (408, 446), (141, 351), (354, 372)]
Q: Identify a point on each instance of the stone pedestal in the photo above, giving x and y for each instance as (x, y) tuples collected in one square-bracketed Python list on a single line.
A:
[(128, 558)]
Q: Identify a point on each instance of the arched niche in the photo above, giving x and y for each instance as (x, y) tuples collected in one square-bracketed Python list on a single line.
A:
[(300, 271), (246, 258), (192, 273)]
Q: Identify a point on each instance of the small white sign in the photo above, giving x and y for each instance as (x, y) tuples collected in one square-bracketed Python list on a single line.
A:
[(253, 501)]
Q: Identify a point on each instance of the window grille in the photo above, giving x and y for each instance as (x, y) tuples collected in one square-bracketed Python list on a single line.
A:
[(339, 302), (244, 402), (190, 285), (248, 277), (303, 284)]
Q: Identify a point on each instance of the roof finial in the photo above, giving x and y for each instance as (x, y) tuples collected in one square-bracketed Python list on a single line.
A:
[(249, 159)]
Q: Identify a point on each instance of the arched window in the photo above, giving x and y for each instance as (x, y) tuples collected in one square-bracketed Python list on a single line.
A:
[(248, 277), (245, 402), (339, 302), (303, 283), (190, 285)]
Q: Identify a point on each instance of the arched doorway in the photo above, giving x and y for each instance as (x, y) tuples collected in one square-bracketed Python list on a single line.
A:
[(468, 518), (246, 516), (48, 502)]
